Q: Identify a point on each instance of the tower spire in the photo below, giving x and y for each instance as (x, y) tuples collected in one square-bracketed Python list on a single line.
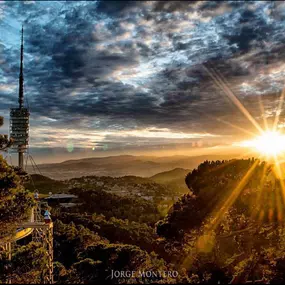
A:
[(21, 76)]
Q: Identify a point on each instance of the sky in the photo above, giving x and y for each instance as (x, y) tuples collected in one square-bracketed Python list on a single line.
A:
[(128, 77)]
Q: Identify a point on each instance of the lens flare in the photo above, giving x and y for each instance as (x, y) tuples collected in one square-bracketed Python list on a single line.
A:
[(70, 146), (270, 143)]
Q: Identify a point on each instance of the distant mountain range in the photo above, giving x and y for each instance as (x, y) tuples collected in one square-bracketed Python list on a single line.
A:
[(115, 166)]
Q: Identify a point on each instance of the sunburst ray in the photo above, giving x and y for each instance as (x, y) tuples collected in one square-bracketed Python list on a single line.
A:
[(231, 96), (279, 110)]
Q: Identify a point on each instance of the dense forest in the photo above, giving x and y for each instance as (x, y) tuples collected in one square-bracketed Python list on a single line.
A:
[(15, 200), (227, 228)]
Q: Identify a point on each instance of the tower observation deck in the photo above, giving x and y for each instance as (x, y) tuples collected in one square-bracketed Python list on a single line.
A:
[(19, 117)]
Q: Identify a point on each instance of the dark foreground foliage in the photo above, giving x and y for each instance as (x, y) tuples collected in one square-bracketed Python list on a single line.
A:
[(229, 227), (15, 201)]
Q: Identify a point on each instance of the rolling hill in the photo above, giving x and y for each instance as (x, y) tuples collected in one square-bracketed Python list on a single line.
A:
[(116, 166), (176, 174), (174, 179), (45, 184)]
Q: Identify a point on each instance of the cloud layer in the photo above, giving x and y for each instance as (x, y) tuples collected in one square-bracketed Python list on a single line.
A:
[(119, 72)]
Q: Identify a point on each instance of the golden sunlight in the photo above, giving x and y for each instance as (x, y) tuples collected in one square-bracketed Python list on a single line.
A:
[(269, 143)]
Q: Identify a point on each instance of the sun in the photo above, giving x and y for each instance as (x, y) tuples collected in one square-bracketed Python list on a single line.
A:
[(269, 143)]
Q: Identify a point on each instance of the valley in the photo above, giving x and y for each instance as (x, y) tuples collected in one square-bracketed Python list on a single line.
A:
[(122, 165)]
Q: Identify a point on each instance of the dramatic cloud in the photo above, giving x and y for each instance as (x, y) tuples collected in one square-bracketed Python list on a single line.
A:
[(113, 72)]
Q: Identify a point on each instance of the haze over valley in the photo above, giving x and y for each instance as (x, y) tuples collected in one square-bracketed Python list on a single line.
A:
[(122, 165)]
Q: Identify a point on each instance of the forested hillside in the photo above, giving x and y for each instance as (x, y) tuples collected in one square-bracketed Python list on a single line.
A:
[(231, 224), (161, 195), (45, 184), (112, 205), (15, 201), (174, 179), (15, 207), (228, 227)]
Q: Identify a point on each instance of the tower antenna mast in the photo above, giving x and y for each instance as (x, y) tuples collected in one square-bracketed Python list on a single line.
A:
[(21, 75)]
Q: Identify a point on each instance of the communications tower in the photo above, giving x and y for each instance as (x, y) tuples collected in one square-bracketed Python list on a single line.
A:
[(19, 117), (41, 228)]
